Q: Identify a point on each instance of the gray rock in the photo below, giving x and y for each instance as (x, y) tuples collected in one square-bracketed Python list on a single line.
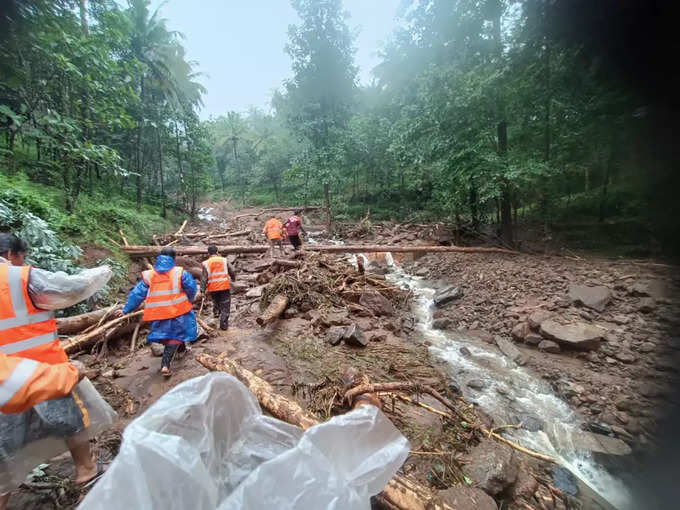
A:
[(467, 498), (549, 346), (443, 323), (577, 335), (464, 351), (646, 305), (625, 357), (491, 466), (334, 335), (377, 303), (597, 443), (447, 294), (340, 318), (537, 318), (620, 319), (651, 288), (564, 480), (647, 347), (509, 350), (533, 339), (354, 336), (520, 331), (157, 349), (476, 384), (596, 298)]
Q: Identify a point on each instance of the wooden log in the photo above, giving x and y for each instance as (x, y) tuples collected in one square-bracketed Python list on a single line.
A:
[(286, 263), (144, 251), (135, 333), (125, 241), (181, 229), (401, 493), (79, 342), (77, 323), (273, 311)]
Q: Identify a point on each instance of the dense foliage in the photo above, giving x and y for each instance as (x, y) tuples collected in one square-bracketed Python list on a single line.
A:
[(99, 98), (482, 113)]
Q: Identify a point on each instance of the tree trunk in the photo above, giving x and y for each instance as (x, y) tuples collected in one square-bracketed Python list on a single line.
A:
[(327, 198), (145, 251), (506, 197), (605, 184), (139, 147), (77, 323), (83, 18), (273, 311), (160, 169)]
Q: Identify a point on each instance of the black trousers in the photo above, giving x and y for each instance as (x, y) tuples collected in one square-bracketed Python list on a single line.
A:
[(221, 306)]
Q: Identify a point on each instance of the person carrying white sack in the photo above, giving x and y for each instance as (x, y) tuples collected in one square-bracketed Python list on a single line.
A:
[(28, 330)]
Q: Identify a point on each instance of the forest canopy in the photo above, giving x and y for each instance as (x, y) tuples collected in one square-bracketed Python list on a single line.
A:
[(486, 115)]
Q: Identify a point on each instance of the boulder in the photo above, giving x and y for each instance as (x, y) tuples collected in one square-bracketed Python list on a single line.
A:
[(647, 347), (525, 486), (377, 303), (338, 318), (625, 357), (443, 323), (378, 335), (487, 337), (491, 466), (549, 346), (577, 335), (354, 336), (536, 318), (646, 305), (564, 480), (446, 295), (334, 335), (596, 298), (650, 288), (597, 443), (157, 349), (467, 498), (520, 331), (476, 384), (533, 339), (509, 350)]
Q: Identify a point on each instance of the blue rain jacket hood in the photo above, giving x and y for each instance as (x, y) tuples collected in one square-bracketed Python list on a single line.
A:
[(181, 328)]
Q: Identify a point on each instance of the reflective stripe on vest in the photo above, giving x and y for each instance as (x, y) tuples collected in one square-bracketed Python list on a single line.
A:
[(16, 380), (27, 327), (163, 302), (218, 279)]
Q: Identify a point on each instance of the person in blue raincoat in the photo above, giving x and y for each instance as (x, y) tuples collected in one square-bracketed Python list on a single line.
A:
[(168, 293)]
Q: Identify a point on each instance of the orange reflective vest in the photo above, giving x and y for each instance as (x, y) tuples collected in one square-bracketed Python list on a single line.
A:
[(273, 228), (218, 273), (166, 299), (25, 382), (26, 331)]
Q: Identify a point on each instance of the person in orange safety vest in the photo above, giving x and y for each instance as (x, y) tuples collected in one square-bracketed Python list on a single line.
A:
[(274, 231), (216, 281), (168, 293), (34, 368)]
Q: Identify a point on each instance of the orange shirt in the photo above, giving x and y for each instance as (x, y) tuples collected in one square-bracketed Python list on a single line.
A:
[(273, 228)]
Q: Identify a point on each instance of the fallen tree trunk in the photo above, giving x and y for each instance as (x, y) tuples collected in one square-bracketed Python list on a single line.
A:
[(400, 493), (286, 263), (273, 311), (77, 323), (79, 342), (144, 251)]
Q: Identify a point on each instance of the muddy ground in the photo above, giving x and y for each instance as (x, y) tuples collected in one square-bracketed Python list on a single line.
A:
[(622, 387)]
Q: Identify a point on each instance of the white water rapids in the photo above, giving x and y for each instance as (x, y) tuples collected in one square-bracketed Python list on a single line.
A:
[(510, 390)]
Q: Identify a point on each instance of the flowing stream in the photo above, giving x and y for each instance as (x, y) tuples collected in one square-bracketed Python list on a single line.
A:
[(510, 393)]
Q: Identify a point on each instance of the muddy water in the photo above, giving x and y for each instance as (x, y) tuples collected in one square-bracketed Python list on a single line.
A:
[(510, 393)]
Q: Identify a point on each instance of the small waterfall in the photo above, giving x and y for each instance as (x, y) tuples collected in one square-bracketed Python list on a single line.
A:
[(507, 389)]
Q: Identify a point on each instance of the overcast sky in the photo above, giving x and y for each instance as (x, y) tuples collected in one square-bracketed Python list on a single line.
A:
[(239, 44)]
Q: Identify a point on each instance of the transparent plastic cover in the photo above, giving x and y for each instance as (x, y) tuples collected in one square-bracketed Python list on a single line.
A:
[(58, 290), (206, 445)]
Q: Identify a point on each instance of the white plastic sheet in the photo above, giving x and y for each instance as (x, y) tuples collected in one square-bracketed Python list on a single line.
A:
[(35, 436), (58, 290), (205, 445)]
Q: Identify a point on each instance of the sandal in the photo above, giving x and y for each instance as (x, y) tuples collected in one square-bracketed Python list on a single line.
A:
[(100, 471)]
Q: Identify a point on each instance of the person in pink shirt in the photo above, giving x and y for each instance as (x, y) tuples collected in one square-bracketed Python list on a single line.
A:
[(293, 226)]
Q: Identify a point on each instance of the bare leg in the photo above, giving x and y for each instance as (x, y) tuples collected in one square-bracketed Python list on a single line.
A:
[(86, 467), (4, 500)]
